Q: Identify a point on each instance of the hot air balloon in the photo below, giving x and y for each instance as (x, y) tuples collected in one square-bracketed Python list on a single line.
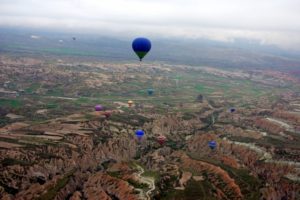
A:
[(141, 46), (150, 91), (107, 114), (130, 103), (212, 144), (232, 110), (98, 108), (139, 134), (161, 139)]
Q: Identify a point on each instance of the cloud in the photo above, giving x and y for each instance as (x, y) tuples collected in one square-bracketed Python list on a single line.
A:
[(270, 21), (35, 37)]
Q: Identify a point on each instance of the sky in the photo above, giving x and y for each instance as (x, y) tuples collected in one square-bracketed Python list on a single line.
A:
[(267, 21)]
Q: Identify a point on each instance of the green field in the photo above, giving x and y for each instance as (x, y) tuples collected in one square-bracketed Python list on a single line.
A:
[(193, 190), (32, 88), (12, 103)]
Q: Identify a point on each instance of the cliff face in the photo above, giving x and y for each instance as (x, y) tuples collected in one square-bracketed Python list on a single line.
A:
[(268, 126), (174, 126), (239, 132), (102, 186), (283, 191), (78, 158), (225, 185), (291, 117), (61, 168), (272, 174)]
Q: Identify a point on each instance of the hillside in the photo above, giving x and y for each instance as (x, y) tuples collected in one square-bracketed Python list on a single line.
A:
[(53, 145)]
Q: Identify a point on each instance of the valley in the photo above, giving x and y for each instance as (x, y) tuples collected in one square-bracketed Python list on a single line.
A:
[(54, 145)]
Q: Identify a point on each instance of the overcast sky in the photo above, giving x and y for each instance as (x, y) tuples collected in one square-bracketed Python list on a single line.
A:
[(269, 21)]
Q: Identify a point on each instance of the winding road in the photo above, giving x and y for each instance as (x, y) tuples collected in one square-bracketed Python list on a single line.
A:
[(148, 180)]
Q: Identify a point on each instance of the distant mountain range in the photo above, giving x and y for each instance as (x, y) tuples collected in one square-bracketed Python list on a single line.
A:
[(241, 53)]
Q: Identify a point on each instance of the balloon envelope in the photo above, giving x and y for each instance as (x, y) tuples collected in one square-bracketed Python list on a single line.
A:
[(130, 103), (212, 144), (139, 134), (232, 110), (141, 46), (150, 91), (107, 114), (161, 139), (98, 108)]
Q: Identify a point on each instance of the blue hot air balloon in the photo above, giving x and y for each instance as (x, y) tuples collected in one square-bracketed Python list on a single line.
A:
[(150, 91), (212, 144), (141, 46), (139, 134), (232, 110)]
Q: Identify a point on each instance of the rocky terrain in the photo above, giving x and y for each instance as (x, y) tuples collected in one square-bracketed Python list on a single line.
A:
[(54, 146)]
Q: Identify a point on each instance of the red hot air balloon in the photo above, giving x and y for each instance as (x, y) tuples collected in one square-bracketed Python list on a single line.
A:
[(107, 114), (161, 139)]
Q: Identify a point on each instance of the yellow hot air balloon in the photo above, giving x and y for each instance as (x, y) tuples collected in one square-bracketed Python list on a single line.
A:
[(130, 103)]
